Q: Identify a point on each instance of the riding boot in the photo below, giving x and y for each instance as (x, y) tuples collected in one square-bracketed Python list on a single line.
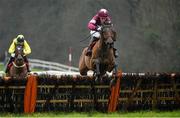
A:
[(7, 69), (27, 64), (115, 52), (89, 50), (28, 70), (91, 44), (9, 64)]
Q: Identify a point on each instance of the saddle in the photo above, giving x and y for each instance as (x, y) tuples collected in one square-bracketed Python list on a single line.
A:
[(89, 53)]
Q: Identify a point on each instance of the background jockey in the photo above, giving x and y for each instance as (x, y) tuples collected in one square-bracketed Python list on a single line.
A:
[(19, 40), (95, 24)]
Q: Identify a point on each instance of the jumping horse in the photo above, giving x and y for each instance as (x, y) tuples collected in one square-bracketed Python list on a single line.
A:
[(102, 58), (18, 69)]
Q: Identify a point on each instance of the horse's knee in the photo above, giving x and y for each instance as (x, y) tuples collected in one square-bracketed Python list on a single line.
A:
[(83, 73), (115, 65), (82, 70), (96, 61)]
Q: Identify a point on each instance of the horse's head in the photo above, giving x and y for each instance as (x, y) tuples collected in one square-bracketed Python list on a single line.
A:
[(19, 60), (108, 35)]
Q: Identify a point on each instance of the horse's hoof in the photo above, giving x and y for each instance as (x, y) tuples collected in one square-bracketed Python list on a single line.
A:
[(101, 80), (113, 82), (98, 91), (6, 79), (97, 80), (28, 73), (1, 80)]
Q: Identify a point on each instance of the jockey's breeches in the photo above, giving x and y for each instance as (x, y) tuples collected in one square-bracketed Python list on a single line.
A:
[(95, 34)]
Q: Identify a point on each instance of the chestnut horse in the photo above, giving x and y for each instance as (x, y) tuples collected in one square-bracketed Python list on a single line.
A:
[(18, 69), (102, 58)]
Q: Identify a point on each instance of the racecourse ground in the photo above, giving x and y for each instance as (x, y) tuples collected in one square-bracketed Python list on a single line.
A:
[(175, 113)]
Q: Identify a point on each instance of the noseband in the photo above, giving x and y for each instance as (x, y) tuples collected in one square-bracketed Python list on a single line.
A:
[(18, 66), (108, 36)]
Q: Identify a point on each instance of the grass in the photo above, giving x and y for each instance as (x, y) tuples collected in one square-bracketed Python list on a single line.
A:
[(175, 113), (1, 67)]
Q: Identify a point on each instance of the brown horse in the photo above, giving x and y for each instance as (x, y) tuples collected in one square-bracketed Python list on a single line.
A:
[(18, 70), (102, 58)]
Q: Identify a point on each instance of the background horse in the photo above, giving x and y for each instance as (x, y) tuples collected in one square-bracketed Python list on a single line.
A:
[(102, 58), (18, 69)]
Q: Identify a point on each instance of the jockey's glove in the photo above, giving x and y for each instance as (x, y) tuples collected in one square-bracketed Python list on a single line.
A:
[(99, 28), (12, 54)]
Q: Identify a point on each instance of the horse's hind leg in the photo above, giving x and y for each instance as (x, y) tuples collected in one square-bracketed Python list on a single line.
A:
[(97, 63), (83, 71), (113, 81), (115, 68), (82, 66)]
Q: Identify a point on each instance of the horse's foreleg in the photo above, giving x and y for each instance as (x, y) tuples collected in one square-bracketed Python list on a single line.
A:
[(82, 65), (97, 64), (113, 81), (115, 68)]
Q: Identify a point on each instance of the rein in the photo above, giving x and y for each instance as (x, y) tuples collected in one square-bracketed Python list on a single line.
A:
[(19, 66), (87, 37)]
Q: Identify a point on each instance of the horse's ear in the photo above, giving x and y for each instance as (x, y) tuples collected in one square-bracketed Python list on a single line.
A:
[(107, 24)]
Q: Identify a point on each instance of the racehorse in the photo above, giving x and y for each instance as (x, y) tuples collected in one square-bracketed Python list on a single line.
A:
[(18, 69), (102, 58)]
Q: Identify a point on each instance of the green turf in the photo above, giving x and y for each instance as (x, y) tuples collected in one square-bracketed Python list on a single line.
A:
[(175, 113), (1, 67)]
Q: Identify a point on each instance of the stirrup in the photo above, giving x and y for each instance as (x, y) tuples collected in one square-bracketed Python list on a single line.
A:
[(89, 52), (7, 70), (115, 54)]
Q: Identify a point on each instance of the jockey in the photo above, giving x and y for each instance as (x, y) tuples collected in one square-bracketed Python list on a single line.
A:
[(94, 26), (19, 40)]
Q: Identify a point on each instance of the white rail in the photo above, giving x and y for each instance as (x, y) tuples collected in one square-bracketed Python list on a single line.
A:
[(36, 63)]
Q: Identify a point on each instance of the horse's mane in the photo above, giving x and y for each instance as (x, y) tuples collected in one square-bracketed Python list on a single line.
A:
[(107, 25)]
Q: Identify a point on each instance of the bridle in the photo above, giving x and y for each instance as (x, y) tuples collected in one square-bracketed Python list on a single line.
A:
[(108, 36)]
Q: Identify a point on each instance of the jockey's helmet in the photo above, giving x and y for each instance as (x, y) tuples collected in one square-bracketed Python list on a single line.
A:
[(103, 13), (20, 38)]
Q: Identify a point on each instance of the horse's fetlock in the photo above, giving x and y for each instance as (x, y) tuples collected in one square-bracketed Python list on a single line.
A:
[(97, 61)]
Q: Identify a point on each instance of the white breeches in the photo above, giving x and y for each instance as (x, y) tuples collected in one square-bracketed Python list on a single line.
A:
[(95, 34)]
